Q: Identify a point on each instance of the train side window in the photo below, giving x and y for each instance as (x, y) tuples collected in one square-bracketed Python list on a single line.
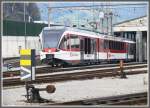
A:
[(106, 44), (93, 46), (81, 45), (85, 45), (63, 43), (123, 45), (101, 45), (109, 42), (120, 45), (75, 41), (68, 41), (117, 45), (112, 44), (89, 46)]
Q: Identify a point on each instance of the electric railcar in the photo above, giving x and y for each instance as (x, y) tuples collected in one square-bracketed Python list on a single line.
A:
[(70, 46)]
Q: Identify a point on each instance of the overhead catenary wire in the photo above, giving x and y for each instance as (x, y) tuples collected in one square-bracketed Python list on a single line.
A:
[(108, 5), (105, 8)]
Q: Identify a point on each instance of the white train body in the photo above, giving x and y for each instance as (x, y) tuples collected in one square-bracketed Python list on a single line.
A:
[(74, 46)]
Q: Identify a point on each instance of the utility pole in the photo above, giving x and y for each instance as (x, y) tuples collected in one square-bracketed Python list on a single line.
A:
[(101, 17), (107, 17), (49, 11), (111, 22), (110, 16), (25, 25)]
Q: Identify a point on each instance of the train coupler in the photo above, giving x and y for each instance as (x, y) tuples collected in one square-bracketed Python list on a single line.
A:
[(33, 95)]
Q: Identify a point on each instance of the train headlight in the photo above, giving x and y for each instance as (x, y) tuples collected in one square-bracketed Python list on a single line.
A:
[(49, 51)]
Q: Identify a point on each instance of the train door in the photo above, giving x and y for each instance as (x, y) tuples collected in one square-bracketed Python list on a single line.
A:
[(145, 50), (82, 51), (127, 49), (106, 48), (87, 49), (97, 48), (94, 49)]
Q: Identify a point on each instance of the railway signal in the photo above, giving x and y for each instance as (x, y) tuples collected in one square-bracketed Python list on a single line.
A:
[(27, 64), (33, 95)]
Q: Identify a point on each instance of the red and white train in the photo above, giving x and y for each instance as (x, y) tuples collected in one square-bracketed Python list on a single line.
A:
[(71, 46)]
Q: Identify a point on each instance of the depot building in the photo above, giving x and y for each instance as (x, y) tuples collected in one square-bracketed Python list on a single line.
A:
[(136, 30)]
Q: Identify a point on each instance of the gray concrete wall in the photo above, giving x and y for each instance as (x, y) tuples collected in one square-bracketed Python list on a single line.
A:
[(139, 47), (144, 45), (12, 44)]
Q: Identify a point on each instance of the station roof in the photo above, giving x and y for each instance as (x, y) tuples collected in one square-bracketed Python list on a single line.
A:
[(136, 24)]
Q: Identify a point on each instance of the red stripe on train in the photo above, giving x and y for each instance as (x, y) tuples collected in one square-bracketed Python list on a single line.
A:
[(49, 50)]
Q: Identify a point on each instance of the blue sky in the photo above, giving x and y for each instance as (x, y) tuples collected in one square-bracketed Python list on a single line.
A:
[(121, 13)]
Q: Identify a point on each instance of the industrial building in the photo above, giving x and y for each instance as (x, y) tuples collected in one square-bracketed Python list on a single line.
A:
[(135, 29)]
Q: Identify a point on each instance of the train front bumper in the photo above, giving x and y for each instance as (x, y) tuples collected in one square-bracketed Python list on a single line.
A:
[(49, 56)]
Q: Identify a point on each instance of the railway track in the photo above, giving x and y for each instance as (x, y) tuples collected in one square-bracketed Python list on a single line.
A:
[(48, 69), (128, 99), (78, 74)]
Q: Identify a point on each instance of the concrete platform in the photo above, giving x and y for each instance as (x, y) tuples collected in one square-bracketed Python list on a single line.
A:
[(77, 90)]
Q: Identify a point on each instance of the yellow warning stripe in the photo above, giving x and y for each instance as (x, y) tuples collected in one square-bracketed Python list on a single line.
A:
[(25, 62), (25, 52)]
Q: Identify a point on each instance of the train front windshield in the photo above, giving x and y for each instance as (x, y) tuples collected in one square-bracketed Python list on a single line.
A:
[(51, 38)]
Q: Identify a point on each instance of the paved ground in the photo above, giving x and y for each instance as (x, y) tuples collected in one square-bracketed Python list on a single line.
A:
[(77, 90)]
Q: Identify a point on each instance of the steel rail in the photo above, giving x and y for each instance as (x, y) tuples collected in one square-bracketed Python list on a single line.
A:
[(82, 74), (126, 99), (47, 69)]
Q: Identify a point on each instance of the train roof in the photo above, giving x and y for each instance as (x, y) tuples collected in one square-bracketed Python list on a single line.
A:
[(85, 32)]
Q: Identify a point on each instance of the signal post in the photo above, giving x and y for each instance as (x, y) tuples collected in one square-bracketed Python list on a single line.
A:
[(27, 69)]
